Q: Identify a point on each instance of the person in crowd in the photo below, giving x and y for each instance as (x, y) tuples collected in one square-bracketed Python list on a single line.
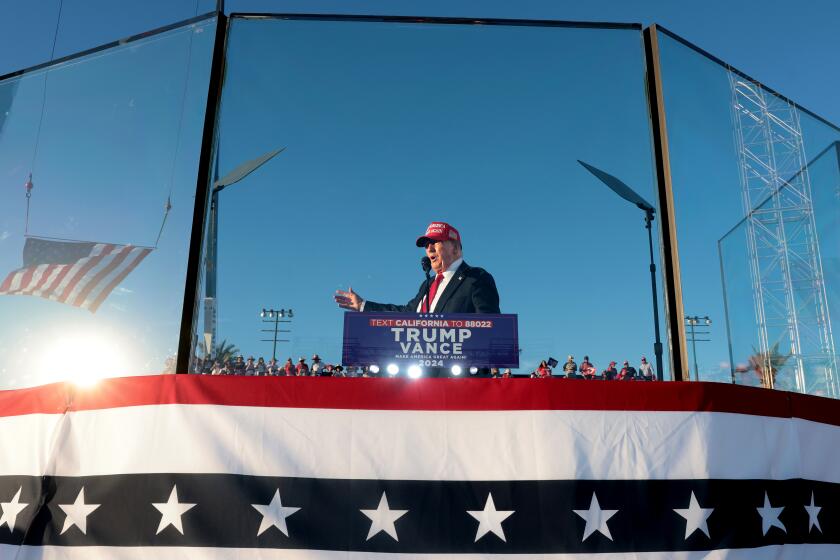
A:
[(494, 372), (570, 367), (227, 369), (587, 370), (506, 374), (646, 370), (250, 366), (216, 369), (262, 369), (338, 371), (610, 373), (627, 373), (302, 368), (543, 371), (289, 368), (207, 366), (239, 366), (317, 366), (272, 367)]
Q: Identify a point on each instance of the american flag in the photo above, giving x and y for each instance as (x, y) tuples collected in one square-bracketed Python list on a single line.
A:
[(188, 466), (72, 272)]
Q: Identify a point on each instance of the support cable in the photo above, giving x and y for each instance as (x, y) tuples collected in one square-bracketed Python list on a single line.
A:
[(29, 184), (168, 205)]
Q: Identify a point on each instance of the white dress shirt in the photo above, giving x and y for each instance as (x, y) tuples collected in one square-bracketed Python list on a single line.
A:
[(447, 276)]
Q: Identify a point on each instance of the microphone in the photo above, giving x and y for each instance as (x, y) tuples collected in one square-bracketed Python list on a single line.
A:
[(426, 263)]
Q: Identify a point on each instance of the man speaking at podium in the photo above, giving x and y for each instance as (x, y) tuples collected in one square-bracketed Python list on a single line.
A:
[(456, 288)]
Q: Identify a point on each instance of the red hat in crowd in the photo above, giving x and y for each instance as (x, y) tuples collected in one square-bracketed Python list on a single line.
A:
[(439, 231)]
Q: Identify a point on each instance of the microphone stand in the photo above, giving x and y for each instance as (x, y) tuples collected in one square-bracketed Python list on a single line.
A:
[(426, 263)]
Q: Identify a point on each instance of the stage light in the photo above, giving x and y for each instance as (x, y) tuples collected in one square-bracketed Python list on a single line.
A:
[(414, 371), (290, 314), (708, 321), (392, 369), (473, 370), (456, 370), (374, 369), (262, 313)]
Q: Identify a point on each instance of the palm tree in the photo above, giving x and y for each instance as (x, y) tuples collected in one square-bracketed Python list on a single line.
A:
[(766, 366), (226, 351)]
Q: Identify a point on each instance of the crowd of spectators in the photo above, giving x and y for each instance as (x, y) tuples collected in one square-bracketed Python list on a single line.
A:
[(586, 370), (260, 367), (318, 368)]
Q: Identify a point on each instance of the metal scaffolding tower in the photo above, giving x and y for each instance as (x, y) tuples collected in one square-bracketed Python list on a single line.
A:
[(796, 346)]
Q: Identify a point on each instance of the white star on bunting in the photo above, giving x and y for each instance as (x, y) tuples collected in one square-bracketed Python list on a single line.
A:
[(12, 509), (77, 513), (813, 513), (770, 516), (274, 514), (490, 520), (382, 518), (695, 517), (171, 512), (596, 518)]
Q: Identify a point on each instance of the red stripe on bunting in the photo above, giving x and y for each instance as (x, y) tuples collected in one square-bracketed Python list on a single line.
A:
[(423, 394)]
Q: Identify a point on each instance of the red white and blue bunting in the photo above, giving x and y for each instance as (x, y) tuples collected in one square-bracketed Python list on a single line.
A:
[(239, 467)]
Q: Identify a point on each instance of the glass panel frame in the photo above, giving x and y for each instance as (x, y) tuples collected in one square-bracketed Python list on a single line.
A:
[(103, 54), (456, 21), (808, 117)]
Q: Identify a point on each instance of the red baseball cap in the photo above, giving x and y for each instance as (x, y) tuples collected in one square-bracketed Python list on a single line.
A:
[(439, 231)]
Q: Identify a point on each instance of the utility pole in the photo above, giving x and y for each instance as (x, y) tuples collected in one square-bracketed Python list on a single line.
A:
[(692, 322), (276, 316)]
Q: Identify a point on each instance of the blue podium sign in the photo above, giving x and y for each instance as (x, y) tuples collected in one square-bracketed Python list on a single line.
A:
[(431, 340)]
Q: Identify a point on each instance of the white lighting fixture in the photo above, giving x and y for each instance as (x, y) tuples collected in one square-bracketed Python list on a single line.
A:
[(456, 370), (392, 369), (473, 370), (374, 369), (414, 371)]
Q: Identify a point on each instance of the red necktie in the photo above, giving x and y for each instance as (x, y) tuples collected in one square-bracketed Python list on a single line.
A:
[(427, 303)]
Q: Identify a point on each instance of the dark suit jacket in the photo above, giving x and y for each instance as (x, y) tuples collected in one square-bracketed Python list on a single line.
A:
[(471, 290)]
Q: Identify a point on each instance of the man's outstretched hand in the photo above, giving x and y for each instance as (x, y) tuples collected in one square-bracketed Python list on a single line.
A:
[(348, 299)]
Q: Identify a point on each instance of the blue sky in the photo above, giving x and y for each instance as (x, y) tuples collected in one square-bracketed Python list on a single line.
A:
[(790, 48), (603, 307)]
